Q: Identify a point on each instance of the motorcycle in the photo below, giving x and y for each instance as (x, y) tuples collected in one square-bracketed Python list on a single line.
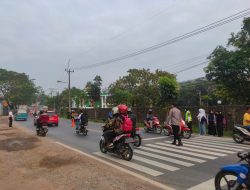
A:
[(185, 131), (42, 131), (81, 129), (235, 176), (137, 138), (156, 127), (240, 134), (122, 146)]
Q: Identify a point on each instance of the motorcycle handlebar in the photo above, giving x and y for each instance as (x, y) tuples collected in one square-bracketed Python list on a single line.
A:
[(244, 155)]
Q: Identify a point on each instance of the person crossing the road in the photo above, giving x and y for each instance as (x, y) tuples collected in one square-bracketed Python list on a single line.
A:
[(11, 117), (188, 119), (174, 119)]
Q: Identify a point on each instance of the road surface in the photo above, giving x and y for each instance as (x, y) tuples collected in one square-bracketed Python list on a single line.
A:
[(192, 166)]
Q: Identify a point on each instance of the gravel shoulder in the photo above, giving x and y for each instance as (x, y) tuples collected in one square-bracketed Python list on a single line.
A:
[(29, 162)]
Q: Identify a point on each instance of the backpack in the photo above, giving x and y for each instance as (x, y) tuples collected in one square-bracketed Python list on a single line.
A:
[(127, 124)]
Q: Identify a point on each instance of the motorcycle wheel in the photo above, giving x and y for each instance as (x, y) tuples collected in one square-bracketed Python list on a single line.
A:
[(85, 132), (137, 139), (225, 180), (166, 132), (238, 138), (127, 153), (159, 130), (186, 134), (102, 147)]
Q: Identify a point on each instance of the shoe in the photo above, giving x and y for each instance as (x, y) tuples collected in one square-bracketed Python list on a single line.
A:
[(174, 143), (179, 144), (111, 145)]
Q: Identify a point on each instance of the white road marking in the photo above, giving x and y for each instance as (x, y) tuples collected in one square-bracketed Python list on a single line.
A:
[(200, 149), (130, 164), (211, 146), (173, 154), (182, 163), (174, 149), (214, 138), (234, 145), (207, 185), (155, 138), (155, 183), (154, 163), (94, 130)]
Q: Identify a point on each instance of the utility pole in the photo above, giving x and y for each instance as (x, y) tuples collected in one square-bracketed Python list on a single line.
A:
[(69, 71)]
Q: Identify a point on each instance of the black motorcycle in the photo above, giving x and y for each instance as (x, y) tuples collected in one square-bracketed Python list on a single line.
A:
[(42, 130), (122, 146), (81, 130), (137, 137), (241, 134)]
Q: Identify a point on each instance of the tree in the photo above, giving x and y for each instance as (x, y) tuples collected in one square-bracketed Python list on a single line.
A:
[(16, 87), (168, 88), (230, 68), (77, 96), (94, 88), (138, 88)]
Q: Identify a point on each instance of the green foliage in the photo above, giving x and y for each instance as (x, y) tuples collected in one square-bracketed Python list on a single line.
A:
[(78, 96), (168, 87), (231, 68), (139, 88), (93, 89), (16, 87)]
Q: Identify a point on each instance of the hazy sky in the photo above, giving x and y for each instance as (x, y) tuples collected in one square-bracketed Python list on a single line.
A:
[(38, 37)]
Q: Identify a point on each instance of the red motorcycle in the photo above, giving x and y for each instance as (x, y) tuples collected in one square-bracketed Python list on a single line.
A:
[(185, 131), (154, 127)]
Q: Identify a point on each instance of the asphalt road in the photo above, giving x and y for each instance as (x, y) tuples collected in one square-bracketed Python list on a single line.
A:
[(192, 166)]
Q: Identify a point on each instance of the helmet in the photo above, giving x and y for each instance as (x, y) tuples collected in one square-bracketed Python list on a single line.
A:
[(115, 110), (123, 108), (150, 111), (129, 110)]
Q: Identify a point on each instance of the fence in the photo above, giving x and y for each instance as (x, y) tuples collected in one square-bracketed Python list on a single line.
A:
[(232, 113)]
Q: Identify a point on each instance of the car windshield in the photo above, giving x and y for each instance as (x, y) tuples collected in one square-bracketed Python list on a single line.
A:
[(51, 113), (21, 111)]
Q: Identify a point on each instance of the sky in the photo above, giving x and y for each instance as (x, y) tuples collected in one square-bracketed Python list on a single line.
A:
[(39, 37)]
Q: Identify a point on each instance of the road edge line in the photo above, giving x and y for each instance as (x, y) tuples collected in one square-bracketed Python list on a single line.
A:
[(155, 183)]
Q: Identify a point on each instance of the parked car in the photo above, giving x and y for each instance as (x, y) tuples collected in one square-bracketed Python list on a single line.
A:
[(21, 115), (53, 118)]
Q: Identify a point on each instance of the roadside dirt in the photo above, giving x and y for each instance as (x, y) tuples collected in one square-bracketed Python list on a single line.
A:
[(28, 162)]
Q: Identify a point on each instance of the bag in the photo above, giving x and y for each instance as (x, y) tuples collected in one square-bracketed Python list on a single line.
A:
[(127, 124), (203, 120)]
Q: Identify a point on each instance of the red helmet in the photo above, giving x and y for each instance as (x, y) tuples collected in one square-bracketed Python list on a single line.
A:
[(123, 109)]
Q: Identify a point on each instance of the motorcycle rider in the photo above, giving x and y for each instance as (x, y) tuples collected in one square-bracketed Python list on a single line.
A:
[(110, 127), (246, 118), (132, 116), (174, 119), (149, 117), (42, 119), (83, 118)]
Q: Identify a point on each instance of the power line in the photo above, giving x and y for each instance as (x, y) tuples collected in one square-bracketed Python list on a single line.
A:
[(173, 40), (188, 68)]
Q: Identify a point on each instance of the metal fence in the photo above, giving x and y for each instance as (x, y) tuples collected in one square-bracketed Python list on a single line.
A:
[(232, 113)]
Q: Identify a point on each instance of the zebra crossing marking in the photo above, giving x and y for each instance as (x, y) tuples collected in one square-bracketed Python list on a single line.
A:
[(192, 149), (132, 165), (218, 147), (181, 151), (154, 163), (226, 144), (159, 157), (173, 154)]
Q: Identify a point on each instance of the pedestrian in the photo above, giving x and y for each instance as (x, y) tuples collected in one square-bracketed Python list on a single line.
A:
[(246, 118), (11, 117), (174, 119), (132, 116), (202, 121), (211, 118), (219, 123), (188, 119)]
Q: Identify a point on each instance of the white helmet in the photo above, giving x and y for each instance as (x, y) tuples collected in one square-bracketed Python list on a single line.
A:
[(115, 110)]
